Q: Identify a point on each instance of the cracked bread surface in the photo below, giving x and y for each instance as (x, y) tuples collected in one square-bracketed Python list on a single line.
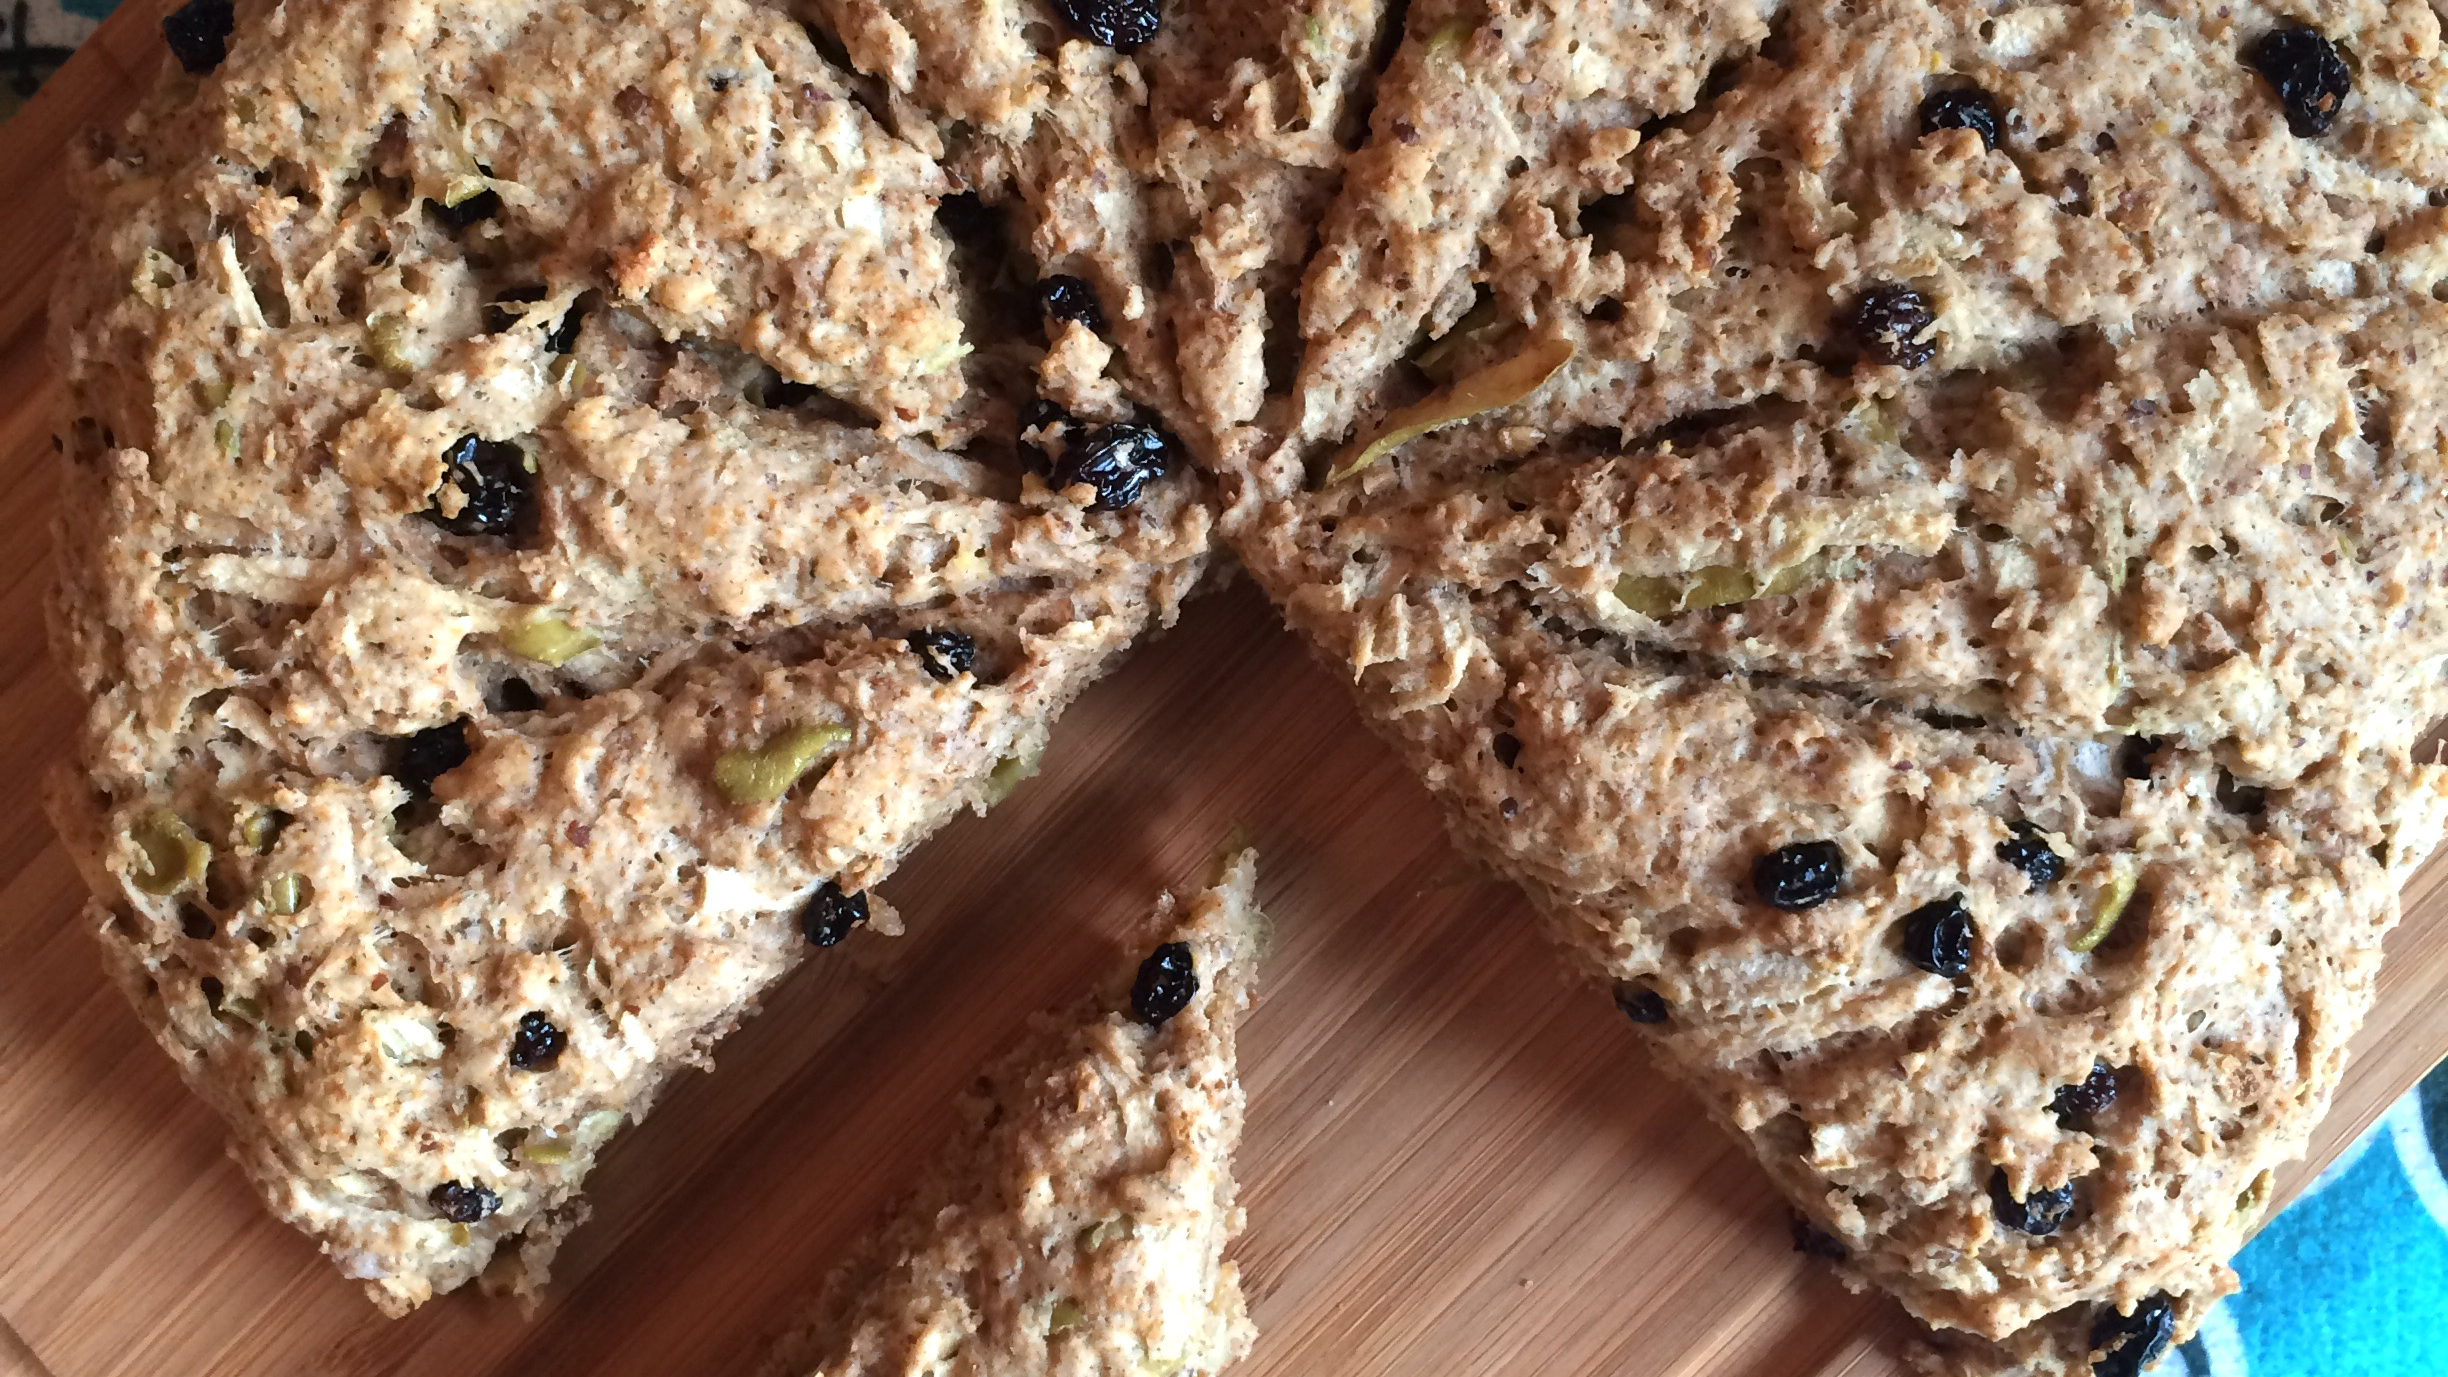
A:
[(1077, 1222), (499, 494), (1183, 180), (1802, 469)]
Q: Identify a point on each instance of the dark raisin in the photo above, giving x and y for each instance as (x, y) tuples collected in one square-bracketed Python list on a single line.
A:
[(466, 215), (831, 914), (2123, 1345), (2078, 1104), (1938, 937), (1640, 1003), (1812, 1241), (501, 317), (1965, 107), (1888, 322), (461, 1203), (1800, 875), (420, 758), (944, 655), (196, 923), (1507, 747), (198, 33), (1042, 416), (1065, 297), (2304, 68), (2136, 756), (493, 483), (2028, 851), (1116, 460), (211, 988), (1121, 25), (2037, 1214), (1164, 985), (537, 1044), (630, 102)]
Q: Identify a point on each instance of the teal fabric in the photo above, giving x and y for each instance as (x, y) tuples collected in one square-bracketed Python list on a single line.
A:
[(2350, 1281)]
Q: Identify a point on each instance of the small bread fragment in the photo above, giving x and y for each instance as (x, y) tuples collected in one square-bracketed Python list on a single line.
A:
[(1078, 1222)]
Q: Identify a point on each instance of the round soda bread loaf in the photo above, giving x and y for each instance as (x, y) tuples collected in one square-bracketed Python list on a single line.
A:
[(1077, 1222), (544, 530), (1910, 528)]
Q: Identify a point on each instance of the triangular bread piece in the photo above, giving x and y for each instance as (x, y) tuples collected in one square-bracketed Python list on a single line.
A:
[(535, 552), (1942, 630), (1078, 1222)]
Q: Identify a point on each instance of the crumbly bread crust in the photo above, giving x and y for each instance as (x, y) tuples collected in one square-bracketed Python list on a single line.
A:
[(712, 306), (2126, 547), (1078, 1222)]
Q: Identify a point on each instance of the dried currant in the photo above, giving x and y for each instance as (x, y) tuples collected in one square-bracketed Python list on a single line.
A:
[(1888, 322), (198, 33), (461, 1203), (1938, 937), (2078, 1104), (2123, 1345), (1065, 297), (1121, 25), (420, 758), (1164, 985), (1116, 460), (2307, 72), (830, 914), (1799, 875), (537, 1044), (2028, 851), (2038, 1214), (494, 483), (1964, 107), (944, 655), (1640, 1003)]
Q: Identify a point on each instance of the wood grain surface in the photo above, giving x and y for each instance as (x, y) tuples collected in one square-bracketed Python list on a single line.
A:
[(1457, 1161)]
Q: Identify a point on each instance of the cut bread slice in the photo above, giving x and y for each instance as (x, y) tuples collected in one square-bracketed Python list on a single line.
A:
[(1905, 528), (1078, 1222), (535, 552)]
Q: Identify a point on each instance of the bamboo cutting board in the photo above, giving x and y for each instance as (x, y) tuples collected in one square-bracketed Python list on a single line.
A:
[(1457, 1162)]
